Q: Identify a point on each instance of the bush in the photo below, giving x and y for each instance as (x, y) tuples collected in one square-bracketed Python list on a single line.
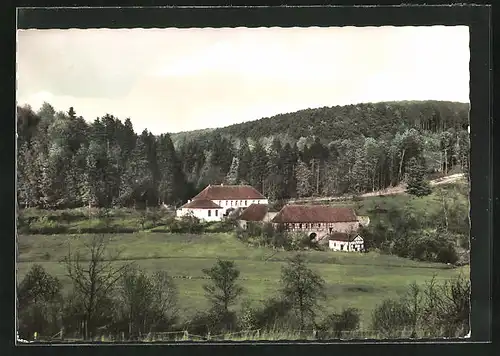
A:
[(435, 310), (391, 318), (336, 324), (45, 226), (446, 307), (212, 321), (431, 246), (274, 314), (187, 224)]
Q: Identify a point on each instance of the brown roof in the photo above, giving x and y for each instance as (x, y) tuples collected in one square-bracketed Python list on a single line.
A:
[(342, 236), (201, 204), (254, 212), (315, 214), (229, 192)]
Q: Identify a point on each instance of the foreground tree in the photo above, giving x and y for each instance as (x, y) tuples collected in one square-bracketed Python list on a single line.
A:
[(94, 273), (147, 302), (302, 288), (223, 289), (39, 303)]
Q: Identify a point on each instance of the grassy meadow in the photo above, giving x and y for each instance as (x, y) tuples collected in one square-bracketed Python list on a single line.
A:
[(356, 280), (353, 280)]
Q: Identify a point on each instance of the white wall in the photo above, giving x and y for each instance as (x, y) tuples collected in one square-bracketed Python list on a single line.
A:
[(202, 214), (347, 246)]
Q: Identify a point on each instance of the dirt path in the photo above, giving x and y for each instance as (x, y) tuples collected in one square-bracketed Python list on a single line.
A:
[(400, 189)]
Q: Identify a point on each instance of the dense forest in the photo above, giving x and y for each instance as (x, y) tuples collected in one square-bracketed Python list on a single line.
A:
[(65, 161)]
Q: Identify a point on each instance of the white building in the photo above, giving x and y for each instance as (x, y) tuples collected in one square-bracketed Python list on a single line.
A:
[(341, 241), (203, 209), (216, 201)]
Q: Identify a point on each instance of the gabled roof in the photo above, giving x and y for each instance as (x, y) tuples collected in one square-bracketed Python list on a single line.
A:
[(229, 192), (254, 212), (315, 214), (342, 236), (201, 204)]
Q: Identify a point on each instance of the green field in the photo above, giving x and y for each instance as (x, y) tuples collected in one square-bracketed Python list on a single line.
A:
[(356, 280)]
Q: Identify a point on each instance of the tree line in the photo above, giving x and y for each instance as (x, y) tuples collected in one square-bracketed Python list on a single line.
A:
[(109, 297), (65, 161)]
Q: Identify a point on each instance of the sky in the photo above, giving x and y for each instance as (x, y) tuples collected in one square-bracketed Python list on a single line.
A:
[(171, 80)]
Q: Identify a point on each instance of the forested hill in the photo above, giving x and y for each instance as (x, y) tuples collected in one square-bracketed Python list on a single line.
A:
[(345, 122), (64, 160)]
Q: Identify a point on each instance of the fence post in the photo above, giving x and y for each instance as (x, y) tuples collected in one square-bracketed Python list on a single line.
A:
[(208, 336), (186, 334)]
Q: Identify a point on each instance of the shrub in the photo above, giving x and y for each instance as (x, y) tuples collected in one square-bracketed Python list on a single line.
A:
[(335, 324), (275, 313), (446, 308), (390, 318), (187, 224), (434, 310), (212, 321)]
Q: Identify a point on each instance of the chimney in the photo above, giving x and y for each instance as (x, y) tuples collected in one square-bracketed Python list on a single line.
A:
[(222, 184)]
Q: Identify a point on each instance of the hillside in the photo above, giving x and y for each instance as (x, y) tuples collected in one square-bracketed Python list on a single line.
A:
[(331, 151)]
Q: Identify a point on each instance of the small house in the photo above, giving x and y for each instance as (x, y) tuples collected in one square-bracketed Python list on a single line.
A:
[(341, 241), (203, 209)]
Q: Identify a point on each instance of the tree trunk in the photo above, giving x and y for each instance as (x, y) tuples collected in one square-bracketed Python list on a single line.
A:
[(445, 212), (317, 181), (400, 178)]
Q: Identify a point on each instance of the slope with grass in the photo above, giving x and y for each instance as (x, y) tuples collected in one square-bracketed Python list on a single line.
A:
[(356, 280)]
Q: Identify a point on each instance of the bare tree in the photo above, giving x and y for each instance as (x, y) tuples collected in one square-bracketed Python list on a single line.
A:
[(94, 277)]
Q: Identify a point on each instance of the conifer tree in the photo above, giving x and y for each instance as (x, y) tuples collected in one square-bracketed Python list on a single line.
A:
[(417, 184), (303, 175), (232, 175)]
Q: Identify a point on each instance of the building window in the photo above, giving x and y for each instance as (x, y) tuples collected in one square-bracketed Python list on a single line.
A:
[(231, 203), (216, 212), (236, 203), (300, 226), (245, 203), (209, 212)]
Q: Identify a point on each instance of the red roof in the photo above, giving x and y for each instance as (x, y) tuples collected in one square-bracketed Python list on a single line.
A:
[(201, 204), (342, 236), (229, 192), (255, 212), (315, 214)]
